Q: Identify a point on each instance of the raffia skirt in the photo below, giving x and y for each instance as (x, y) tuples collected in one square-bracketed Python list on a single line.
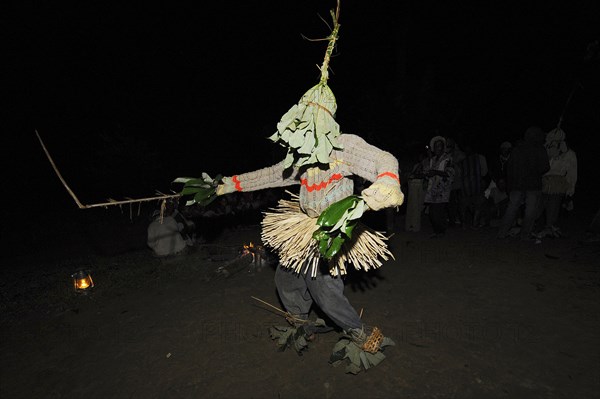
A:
[(288, 231)]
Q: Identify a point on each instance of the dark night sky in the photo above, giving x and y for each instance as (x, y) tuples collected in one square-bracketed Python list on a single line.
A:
[(129, 97)]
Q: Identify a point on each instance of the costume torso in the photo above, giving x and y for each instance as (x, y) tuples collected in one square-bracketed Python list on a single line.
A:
[(322, 186)]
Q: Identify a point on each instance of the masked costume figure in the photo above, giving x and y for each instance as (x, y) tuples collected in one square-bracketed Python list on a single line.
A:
[(322, 161)]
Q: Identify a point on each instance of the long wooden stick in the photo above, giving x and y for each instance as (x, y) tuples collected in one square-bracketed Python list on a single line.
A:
[(102, 204), (287, 314)]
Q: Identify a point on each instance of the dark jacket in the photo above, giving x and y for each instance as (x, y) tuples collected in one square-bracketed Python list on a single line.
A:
[(527, 163)]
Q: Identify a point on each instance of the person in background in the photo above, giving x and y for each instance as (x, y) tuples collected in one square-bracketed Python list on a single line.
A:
[(559, 182), (527, 164), (166, 233), (496, 195), (416, 193), (474, 171), (440, 173), (457, 156), (498, 164), (496, 202)]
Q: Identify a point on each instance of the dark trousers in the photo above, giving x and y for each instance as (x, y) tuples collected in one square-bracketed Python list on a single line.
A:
[(551, 205), (438, 216), (454, 213), (298, 292), (531, 199)]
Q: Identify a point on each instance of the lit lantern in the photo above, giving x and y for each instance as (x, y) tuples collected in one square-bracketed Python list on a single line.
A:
[(82, 281)]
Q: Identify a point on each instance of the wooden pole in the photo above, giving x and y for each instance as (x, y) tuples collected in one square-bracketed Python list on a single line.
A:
[(102, 204)]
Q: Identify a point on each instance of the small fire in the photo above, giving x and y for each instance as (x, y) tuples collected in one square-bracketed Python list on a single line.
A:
[(83, 283), (257, 252), (249, 249)]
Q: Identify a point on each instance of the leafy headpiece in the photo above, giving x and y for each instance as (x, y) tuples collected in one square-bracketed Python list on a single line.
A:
[(308, 130)]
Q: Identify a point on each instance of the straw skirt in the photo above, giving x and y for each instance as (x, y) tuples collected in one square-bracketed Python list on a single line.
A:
[(288, 231)]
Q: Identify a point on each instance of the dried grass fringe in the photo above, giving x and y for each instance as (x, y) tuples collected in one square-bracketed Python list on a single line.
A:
[(288, 231)]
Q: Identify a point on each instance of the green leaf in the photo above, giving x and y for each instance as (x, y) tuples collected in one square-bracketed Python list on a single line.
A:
[(194, 182), (309, 144), (334, 248), (182, 180), (359, 209), (323, 246), (209, 200), (297, 139), (274, 137), (287, 118), (322, 153), (338, 221), (205, 193), (285, 136), (320, 235), (348, 230), (341, 223), (199, 197), (289, 160), (332, 214), (189, 190)]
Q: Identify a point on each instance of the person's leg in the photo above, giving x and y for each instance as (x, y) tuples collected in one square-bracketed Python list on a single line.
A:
[(478, 210), (453, 207), (532, 203), (297, 301), (444, 216), (328, 293), (361, 347), (293, 292), (485, 212), (501, 207), (515, 200), (553, 202), (463, 205), (469, 211), (541, 211)]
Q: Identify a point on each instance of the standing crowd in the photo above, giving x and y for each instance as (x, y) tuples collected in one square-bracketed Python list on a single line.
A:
[(520, 189)]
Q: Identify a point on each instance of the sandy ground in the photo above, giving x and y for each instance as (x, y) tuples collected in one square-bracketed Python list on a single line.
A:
[(472, 317)]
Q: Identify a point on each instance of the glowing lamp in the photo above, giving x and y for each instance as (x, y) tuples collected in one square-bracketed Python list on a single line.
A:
[(82, 281)]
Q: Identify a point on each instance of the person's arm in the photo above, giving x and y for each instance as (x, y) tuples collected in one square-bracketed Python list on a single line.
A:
[(449, 171), (544, 161), (269, 177), (571, 175), (446, 173), (377, 166), (435, 172)]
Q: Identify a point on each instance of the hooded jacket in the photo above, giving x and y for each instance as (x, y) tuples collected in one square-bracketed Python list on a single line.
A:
[(528, 162)]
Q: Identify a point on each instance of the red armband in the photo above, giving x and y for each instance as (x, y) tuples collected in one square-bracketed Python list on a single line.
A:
[(389, 174), (238, 185)]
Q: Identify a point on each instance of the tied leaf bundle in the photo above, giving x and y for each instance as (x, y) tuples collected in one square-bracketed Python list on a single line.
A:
[(203, 189), (308, 129), (336, 224)]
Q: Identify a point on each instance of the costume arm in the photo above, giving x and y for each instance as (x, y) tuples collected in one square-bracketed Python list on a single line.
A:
[(377, 166), (272, 176)]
